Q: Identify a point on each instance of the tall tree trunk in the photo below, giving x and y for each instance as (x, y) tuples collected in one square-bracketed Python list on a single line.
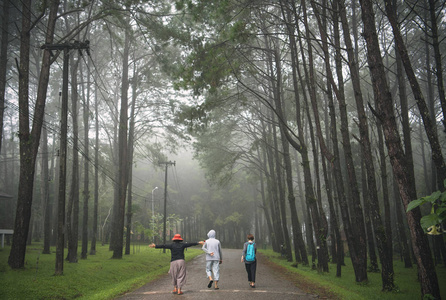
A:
[(407, 140), (385, 112), (281, 197), (311, 85), (73, 201), (86, 190), (23, 210), (380, 232), (297, 232), (3, 64), (266, 211), (337, 246), (56, 177), (336, 168), (416, 90), (46, 199), (96, 177), (60, 242), (437, 55), (118, 222), (302, 247), (29, 141), (373, 260), (430, 179), (276, 90), (130, 162), (272, 191), (405, 249)]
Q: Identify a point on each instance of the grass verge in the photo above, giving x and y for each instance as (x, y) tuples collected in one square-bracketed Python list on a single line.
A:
[(97, 277), (328, 286)]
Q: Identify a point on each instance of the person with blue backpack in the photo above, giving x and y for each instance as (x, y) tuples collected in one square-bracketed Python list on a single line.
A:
[(249, 258)]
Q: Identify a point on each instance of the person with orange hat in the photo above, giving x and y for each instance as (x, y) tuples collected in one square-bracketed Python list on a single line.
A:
[(177, 263)]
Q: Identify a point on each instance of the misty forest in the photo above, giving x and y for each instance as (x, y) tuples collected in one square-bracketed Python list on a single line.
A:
[(316, 125)]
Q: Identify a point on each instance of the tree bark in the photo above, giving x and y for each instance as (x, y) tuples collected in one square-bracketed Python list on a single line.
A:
[(405, 250), (373, 259), (3, 64), (281, 197), (297, 232), (437, 56), (429, 126), (46, 200), (118, 222), (385, 112), (86, 190), (29, 141), (381, 234), (96, 178), (73, 202), (264, 204), (272, 191), (130, 162)]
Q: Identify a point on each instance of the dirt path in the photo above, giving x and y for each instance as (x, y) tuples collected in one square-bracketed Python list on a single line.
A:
[(233, 283)]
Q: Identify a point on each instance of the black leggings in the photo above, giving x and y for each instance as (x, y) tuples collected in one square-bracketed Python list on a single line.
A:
[(251, 270)]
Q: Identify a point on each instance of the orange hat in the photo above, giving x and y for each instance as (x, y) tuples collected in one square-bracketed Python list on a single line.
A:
[(177, 237)]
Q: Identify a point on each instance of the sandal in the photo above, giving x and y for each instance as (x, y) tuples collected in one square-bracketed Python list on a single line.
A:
[(174, 290), (210, 283), (180, 293)]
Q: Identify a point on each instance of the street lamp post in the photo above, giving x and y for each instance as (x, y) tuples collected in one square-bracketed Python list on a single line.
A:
[(153, 215)]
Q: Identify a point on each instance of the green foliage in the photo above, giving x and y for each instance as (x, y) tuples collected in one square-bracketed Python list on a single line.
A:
[(431, 223), (219, 27), (97, 277)]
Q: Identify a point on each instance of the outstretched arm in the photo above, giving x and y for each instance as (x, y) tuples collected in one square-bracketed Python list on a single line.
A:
[(168, 246), (193, 244)]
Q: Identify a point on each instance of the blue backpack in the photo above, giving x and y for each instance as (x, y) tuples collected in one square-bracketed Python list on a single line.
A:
[(250, 252)]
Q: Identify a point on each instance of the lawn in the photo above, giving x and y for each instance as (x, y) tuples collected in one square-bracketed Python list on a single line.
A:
[(97, 277), (407, 285)]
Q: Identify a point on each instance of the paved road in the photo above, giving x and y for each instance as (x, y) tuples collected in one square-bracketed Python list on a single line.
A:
[(233, 283)]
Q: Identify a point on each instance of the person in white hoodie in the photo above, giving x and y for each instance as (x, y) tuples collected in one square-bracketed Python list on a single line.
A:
[(214, 257)]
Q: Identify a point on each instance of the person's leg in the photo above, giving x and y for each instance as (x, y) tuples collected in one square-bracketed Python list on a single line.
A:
[(253, 273), (209, 269), (248, 270), (209, 272), (173, 277), (181, 276), (216, 271)]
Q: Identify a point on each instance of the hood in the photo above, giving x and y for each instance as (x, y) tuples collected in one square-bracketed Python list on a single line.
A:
[(211, 234)]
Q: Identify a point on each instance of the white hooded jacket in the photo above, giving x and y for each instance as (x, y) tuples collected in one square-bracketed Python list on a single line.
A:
[(212, 245)]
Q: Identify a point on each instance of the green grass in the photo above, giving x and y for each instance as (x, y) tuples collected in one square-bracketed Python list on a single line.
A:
[(407, 285), (97, 277)]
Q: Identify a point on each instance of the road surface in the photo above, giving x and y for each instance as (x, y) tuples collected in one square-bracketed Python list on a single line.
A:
[(233, 283)]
